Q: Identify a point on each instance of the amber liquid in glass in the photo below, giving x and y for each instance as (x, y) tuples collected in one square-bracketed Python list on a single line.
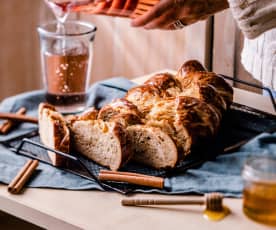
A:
[(259, 202), (66, 78)]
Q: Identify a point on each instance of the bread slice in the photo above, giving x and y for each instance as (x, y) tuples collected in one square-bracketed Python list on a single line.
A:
[(151, 146), (103, 142), (53, 132)]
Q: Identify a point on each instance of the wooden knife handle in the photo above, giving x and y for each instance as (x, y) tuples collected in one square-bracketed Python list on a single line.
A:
[(155, 182)]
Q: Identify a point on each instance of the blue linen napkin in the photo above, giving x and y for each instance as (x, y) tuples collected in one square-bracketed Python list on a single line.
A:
[(222, 174)]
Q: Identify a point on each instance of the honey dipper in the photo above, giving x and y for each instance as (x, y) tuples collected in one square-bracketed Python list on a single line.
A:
[(214, 208), (213, 202)]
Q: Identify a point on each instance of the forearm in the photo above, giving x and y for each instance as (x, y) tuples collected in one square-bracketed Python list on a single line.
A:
[(254, 16)]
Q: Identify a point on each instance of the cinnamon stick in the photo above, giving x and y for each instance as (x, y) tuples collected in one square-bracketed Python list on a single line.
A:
[(18, 117), (9, 124), (22, 177), (132, 178)]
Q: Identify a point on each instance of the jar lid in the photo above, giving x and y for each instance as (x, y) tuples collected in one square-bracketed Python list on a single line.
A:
[(260, 169)]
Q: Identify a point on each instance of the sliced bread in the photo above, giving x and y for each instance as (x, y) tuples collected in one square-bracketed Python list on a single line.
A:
[(151, 146), (101, 141), (53, 132)]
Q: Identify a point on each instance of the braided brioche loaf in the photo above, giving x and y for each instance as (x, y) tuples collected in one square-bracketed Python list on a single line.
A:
[(158, 123)]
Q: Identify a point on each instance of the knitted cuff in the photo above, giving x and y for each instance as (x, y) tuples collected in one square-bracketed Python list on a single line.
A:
[(254, 16)]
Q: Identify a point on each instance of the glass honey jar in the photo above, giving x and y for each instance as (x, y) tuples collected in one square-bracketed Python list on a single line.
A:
[(259, 194)]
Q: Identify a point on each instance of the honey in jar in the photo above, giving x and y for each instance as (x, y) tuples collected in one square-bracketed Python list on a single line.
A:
[(259, 194)]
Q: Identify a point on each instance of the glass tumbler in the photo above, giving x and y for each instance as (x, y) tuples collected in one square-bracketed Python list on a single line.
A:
[(259, 194), (66, 60)]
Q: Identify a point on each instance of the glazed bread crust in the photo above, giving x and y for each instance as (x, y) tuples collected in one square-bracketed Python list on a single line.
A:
[(167, 84), (220, 87), (190, 67), (206, 86), (122, 111), (144, 97)]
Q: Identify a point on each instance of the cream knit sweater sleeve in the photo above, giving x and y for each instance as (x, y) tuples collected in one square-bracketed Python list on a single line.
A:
[(254, 16), (257, 21)]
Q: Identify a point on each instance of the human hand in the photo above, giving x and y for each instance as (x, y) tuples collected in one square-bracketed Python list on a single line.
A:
[(168, 13)]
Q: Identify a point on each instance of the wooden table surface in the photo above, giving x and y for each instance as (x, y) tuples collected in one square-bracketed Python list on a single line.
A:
[(63, 209)]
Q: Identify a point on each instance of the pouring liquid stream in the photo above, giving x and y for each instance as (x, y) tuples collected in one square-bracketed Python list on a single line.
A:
[(61, 11)]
